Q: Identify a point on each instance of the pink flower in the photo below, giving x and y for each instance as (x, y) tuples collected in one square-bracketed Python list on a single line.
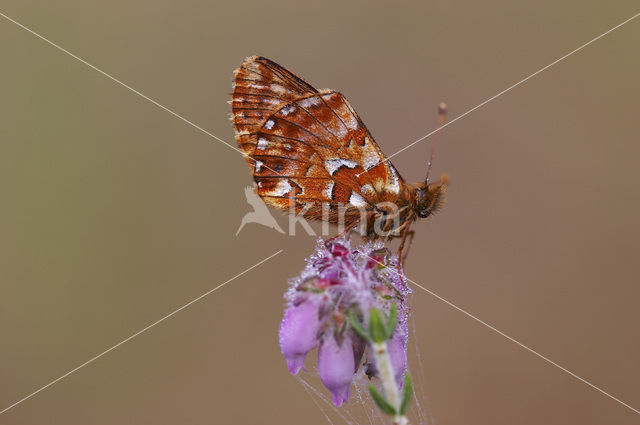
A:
[(298, 332), (336, 366), (339, 281), (397, 347)]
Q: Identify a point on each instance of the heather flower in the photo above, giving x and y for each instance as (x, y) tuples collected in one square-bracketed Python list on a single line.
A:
[(398, 352), (339, 291), (298, 332), (336, 366)]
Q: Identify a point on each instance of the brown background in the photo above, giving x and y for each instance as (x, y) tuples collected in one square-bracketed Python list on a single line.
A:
[(114, 213)]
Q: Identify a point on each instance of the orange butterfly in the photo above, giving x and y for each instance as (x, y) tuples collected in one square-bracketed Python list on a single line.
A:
[(308, 149)]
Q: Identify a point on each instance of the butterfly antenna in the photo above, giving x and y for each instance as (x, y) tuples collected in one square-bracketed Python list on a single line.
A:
[(442, 111)]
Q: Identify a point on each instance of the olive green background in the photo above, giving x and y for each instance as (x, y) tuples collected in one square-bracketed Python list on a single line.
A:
[(113, 212)]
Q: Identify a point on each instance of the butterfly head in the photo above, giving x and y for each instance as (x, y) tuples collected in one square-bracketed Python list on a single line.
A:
[(430, 197)]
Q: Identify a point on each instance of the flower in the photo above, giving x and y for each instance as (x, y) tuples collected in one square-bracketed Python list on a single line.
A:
[(398, 352), (339, 282), (336, 366), (298, 332)]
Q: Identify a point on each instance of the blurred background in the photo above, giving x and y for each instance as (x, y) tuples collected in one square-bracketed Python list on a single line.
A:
[(113, 212)]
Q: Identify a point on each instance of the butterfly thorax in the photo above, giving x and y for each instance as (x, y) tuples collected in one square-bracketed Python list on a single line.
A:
[(390, 217), (392, 213)]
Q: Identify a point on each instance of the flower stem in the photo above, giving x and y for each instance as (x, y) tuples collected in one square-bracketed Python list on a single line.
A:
[(387, 377)]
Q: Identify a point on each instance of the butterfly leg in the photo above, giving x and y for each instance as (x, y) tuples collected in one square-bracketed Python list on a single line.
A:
[(356, 222), (347, 230), (407, 234)]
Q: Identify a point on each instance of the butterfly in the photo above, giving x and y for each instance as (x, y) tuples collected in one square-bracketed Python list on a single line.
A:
[(310, 152)]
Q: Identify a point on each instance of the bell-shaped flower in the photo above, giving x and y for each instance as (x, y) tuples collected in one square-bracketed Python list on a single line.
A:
[(339, 280), (397, 347), (336, 366), (299, 331)]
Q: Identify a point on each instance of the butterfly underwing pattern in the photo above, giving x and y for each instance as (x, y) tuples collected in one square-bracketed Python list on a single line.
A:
[(310, 152)]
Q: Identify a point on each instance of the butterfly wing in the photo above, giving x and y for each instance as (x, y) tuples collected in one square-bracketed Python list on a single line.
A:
[(260, 87), (312, 149)]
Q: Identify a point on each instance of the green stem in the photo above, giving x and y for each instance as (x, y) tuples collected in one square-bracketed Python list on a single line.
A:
[(387, 377)]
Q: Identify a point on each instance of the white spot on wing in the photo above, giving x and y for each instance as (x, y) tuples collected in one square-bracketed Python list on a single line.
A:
[(342, 131), (309, 102), (371, 157), (367, 189), (259, 165), (269, 124), (329, 190), (277, 88), (352, 123), (282, 188), (332, 165), (356, 200), (395, 181), (258, 86), (262, 143), (287, 110)]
